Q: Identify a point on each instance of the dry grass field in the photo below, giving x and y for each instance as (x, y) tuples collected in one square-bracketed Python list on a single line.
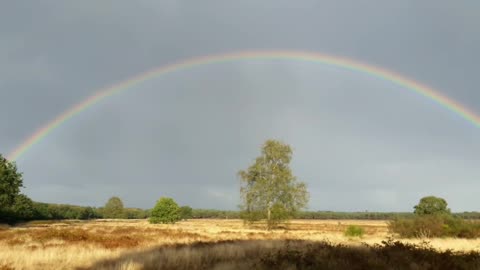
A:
[(118, 244)]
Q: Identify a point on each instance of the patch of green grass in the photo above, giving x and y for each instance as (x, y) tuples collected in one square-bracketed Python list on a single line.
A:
[(354, 231)]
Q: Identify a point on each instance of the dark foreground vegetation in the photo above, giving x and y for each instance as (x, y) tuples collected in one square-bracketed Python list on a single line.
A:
[(294, 254)]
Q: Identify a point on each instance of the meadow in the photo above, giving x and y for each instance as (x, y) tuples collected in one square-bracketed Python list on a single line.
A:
[(220, 244)]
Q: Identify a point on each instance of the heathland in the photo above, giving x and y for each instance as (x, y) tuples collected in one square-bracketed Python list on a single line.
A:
[(210, 243)]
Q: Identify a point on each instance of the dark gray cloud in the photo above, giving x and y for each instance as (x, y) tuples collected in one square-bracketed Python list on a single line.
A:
[(360, 143)]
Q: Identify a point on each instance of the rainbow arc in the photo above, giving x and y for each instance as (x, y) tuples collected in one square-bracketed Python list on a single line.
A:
[(381, 73)]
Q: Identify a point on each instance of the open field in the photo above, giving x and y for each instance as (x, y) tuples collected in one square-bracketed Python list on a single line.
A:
[(109, 244)]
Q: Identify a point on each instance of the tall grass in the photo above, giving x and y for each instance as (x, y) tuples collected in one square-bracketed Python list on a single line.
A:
[(67, 245), (294, 254)]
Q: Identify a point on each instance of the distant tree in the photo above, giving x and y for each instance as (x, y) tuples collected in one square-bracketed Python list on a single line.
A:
[(268, 188), (10, 183), (431, 205), (114, 208), (165, 211), (186, 212)]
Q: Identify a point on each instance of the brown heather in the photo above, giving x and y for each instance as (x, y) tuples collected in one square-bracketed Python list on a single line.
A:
[(213, 244)]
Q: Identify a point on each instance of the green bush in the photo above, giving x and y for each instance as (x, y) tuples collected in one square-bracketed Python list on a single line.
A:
[(354, 231), (165, 211), (434, 226)]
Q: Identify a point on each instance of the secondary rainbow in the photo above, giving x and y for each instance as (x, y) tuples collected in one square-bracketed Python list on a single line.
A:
[(345, 63)]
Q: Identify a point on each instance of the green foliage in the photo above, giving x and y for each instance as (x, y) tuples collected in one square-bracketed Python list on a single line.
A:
[(10, 183), (114, 209), (87, 213), (351, 215), (212, 213), (165, 211), (251, 216), (280, 213), (431, 205), (47, 211), (23, 208), (354, 231), (14, 206), (269, 190), (428, 226), (186, 212), (136, 213), (41, 211), (433, 219)]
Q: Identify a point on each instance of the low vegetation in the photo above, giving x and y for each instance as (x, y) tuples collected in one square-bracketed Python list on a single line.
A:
[(435, 226), (354, 231), (432, 218), (293, 254), (72, 244), (186, 212), (165, 211)]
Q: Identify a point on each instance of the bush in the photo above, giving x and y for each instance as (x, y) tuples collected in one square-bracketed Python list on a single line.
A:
[(434, 226), (354, 231), (165, 211)]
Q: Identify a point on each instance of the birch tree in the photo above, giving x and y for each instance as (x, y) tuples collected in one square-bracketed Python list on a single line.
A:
[(269, 191)]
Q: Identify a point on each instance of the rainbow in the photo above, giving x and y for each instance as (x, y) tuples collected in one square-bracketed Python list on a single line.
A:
[(314, 57)]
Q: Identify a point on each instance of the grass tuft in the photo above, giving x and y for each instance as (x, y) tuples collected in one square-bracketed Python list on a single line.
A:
[(354, 231)]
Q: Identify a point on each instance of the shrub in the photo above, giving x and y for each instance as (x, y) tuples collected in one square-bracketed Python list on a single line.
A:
[(165, 211), (434, 226), (354, 231)]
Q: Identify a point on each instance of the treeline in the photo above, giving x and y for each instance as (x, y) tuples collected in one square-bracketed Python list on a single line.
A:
[(48, 211), (45, 211), (17, 207), (229, 214), (350, 215), (211, 213)]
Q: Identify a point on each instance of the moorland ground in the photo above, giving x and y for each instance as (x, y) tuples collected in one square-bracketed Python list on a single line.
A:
[(109, 244)]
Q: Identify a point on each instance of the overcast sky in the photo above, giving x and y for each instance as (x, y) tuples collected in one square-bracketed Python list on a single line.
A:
[(360, 143)]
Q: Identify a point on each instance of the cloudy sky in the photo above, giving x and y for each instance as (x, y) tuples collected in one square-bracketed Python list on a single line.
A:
[(360, 143)]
